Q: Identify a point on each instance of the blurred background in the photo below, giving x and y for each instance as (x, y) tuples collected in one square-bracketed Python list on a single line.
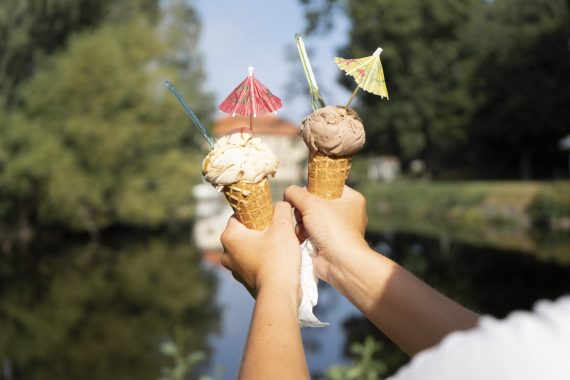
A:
[(109, 240)]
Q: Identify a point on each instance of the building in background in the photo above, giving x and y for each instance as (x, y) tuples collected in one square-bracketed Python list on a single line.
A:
[(383, 168), (283, 137)]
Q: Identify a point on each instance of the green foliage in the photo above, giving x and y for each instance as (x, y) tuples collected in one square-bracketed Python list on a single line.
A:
[(365, 367), (467, 203), (522, 85), (31, 30), (551, 203), (478, 85), (521, 216), (39, 170), (424, 74), (471, 203), (97, 140), (184, 365)]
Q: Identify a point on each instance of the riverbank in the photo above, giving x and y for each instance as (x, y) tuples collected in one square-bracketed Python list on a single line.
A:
[(521, 204), (532, 217)]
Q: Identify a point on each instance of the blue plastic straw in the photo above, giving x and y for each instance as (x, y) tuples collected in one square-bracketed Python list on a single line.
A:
[(191, 113)]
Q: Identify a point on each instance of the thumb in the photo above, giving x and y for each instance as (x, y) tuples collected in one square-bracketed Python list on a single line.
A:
[(298, 198), (233, 231)]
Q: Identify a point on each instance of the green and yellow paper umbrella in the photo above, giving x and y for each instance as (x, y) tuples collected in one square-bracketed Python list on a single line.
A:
[(367, 73)]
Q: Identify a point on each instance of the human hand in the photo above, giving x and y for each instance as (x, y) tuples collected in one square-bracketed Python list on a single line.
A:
[(336, 226), (269, 258)]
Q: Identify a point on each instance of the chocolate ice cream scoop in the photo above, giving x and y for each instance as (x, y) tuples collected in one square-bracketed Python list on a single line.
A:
[(333, 131)]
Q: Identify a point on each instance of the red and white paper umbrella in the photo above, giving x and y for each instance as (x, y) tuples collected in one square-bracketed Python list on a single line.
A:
[(251, 98)]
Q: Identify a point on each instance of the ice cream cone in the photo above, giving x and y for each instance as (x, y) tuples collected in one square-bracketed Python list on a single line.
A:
[(238, 165), (327, 174), (251, 203)]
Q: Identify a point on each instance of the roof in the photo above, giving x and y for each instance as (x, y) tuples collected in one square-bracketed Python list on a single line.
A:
[(212, 257), (262, 125)]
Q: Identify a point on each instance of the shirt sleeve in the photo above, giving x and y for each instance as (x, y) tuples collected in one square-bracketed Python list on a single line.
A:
[(524, 345)]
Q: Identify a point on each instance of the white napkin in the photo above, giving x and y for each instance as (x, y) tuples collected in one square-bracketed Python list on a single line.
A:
[(309, 287)]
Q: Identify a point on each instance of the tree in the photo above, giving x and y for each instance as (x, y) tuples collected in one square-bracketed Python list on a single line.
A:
[(97, 140), (456, 94), (32, 30), (421, 60), (522, 86)]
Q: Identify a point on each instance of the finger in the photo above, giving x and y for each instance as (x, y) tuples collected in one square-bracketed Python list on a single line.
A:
[(282, 211), (298, 197), (298, 217), (301, 233)]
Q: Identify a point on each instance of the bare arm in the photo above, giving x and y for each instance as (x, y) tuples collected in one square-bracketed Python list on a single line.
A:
[(274, 349), (411, 313), (268, 263)]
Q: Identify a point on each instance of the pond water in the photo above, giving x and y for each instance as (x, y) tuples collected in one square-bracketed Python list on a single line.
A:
[(135, 306)]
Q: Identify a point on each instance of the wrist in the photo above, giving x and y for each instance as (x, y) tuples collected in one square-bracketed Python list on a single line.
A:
[(351, 250), (286, 290), (346, 267)]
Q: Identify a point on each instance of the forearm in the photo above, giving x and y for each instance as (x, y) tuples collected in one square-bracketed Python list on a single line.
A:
[(411, 313), (274, 348)]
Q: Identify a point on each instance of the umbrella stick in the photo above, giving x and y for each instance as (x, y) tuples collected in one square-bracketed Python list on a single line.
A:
[(352, 96), (251, 123)]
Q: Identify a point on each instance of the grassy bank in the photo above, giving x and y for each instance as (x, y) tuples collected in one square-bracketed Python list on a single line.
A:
[(531, 217), (521, 204)]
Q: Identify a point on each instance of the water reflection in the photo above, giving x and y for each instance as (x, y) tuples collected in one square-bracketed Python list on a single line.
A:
[(76, 312), (544, 245)]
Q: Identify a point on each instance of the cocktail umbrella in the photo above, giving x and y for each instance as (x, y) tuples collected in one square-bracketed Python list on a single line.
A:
[(251, 98), (317, 100), (367, 72), (191, 114)]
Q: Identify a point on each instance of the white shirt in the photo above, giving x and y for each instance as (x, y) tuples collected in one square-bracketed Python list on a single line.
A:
[(524, 345)]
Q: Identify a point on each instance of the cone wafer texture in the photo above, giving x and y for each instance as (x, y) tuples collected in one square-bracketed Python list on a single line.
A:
[(251, 203), (327, 174)]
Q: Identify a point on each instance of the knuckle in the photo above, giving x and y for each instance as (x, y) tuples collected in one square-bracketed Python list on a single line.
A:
[(227, 236), (360, 199), (283, 204), (282, 212), (224, 238), (287, 192), (283, 209), (225, 261)]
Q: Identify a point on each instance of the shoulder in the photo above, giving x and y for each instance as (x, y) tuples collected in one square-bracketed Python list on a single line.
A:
[(525, 345)]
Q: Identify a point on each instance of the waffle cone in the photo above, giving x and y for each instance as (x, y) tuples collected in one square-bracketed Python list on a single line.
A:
[(251, 203), (327, 174)]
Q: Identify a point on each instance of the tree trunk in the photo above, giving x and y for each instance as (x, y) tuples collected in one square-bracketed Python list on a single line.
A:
[(428, 151), (25, 232)]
